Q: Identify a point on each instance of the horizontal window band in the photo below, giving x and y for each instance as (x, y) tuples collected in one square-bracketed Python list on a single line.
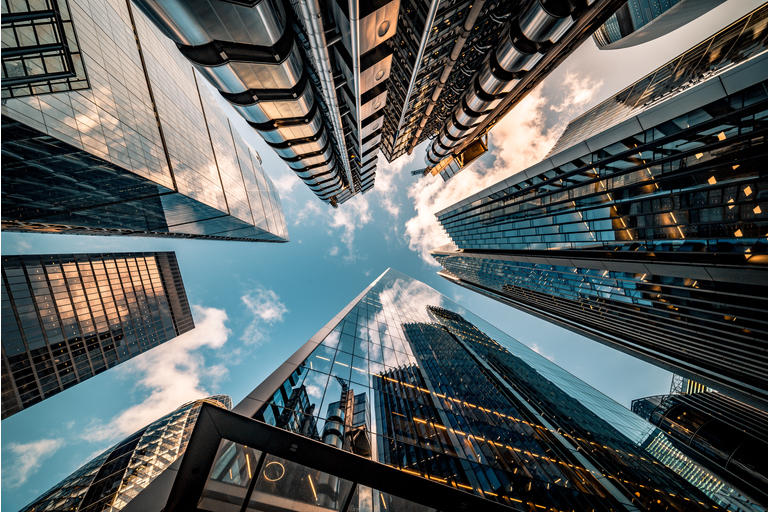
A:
[(302, 156), (218, 53), (254, 96), (287, 122)]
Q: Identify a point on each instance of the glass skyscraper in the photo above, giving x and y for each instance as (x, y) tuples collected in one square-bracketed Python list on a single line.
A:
[(68, 317), (406, 401), (639, 21), (724, 435), (131, 140), (110, 481), (645, 226)]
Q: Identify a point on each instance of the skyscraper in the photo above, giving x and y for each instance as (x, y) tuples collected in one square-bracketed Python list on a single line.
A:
[(479, 65), (110, 481), (639, 21), (440, 411), (118, 134), (68, 317), (645, 227), (310, 77), (724, 435)]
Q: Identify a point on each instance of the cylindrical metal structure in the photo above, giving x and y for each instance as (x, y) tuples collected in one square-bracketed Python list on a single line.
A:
[(525, 40)]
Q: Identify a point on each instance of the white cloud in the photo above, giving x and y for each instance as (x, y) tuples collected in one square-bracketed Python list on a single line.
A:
[(27, 459), (266, 308), (173, 373), (518, 141), (579, 92), (334, 251), (285, 183), (349, 217), (536, 348)]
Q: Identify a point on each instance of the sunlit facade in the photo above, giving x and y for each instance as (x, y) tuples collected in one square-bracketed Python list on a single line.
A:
[(408, 379), (724, 435), (139, 144), (639, 21), (68, 317), (109, 482), (310, 78), (645, 227)]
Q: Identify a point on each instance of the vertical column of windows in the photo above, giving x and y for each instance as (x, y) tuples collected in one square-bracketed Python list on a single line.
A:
[(40, 353)]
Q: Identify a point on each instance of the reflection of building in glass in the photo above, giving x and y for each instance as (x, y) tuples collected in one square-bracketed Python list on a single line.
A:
[(147, 149), (460, 416), (720, 433), (41, 53), (639, 21), (309, 77), (460, 403), (67, 317), (110, 481), (645, 228)]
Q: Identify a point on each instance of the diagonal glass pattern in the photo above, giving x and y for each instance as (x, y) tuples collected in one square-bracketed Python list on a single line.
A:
[(411, 380)]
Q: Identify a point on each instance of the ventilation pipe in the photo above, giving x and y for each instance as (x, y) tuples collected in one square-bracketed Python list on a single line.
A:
[(523, 44), (251, 55)]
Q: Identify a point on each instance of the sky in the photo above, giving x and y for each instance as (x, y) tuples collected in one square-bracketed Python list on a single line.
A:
[(254, 304)]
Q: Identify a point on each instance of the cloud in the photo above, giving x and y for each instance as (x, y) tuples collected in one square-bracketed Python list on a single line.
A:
[(172, 372), (27, 459), (536, 348), (349, 217), (334, 251), (265, 307), (579, 91), (285, 183), (518, 141)]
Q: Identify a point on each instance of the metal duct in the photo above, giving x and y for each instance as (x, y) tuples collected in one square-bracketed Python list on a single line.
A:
[(252, 56), (525, 41)]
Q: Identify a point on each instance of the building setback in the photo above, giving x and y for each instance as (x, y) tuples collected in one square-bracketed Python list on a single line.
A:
[(123, 136), (639, 21), (645, 227), (68, 317), (309, 77), (406, 401), (724, 435), (111, 480)]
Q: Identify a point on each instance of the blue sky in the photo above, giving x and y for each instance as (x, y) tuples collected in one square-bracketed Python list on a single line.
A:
[(256, 303)]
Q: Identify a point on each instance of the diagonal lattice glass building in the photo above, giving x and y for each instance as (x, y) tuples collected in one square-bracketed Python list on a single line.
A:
[(645, 227), (405, 401), (108, 130), (111, 480), (68, 317)]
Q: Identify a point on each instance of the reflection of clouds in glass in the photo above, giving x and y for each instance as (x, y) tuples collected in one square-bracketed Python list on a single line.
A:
[(332, 340), (314, 391)]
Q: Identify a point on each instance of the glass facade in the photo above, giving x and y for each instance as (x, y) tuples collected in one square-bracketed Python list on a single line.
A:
[(722, 434), (650, 237), (733, 44), (409, 379), (68, 317), (148, 149), (41, 53), (109, 482)]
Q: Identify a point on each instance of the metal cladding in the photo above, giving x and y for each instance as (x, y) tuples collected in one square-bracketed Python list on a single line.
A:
[(523, 44), (275, 67)]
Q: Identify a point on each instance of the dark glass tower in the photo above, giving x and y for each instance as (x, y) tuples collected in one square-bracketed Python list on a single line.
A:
[(113, 479), (113, 132), (440, 411), (67, 317), (645, 227), (724, 435), (639, 21)]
